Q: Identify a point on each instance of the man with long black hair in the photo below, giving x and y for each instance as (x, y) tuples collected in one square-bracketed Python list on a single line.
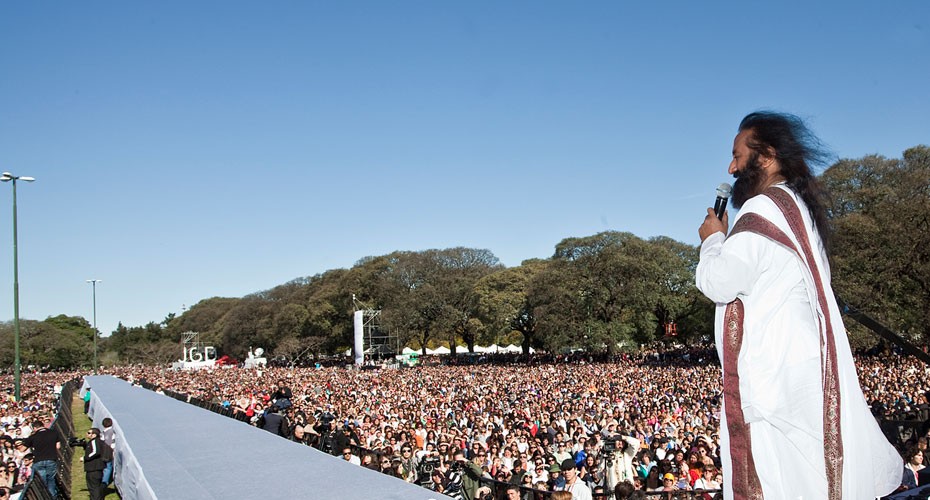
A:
[(795, 423)]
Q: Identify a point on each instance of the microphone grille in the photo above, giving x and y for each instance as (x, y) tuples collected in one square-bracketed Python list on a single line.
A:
[(723, 190)]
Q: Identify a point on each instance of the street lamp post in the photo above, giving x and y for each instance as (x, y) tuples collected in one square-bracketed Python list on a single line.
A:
[(94, 285), (7, 177)]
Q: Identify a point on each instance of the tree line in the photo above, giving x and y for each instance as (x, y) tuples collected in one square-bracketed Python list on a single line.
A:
[(604, 292)]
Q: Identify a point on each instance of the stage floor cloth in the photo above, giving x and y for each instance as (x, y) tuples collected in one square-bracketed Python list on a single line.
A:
[(171, 450)]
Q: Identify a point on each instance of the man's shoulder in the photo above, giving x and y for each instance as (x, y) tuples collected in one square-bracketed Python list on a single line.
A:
[(760, 204), (765, 202)]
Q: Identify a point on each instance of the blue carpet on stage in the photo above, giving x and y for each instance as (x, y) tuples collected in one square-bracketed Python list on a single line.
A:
[(168, 449)]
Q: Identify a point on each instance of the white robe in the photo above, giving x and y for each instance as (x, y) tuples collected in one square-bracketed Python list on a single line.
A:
[(779, 365)]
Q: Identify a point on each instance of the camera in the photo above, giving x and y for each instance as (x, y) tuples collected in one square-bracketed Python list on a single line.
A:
[(613, 443), (425, 470), (73, 441), (428, 464), (326, 418)]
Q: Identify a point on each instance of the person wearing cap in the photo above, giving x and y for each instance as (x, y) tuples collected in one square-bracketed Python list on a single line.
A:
[(556, 479), (573, 483), (668, 483)]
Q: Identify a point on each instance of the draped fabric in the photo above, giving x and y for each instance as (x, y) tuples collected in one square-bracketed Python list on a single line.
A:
[(795, 421)]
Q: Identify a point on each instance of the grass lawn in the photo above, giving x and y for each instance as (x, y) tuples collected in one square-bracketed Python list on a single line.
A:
[(78, 482)]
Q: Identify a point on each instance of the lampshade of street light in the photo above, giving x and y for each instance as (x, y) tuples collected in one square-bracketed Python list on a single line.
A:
[(7, 177)]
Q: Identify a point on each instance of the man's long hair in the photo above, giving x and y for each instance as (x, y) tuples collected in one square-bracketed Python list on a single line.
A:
[(796, 148)]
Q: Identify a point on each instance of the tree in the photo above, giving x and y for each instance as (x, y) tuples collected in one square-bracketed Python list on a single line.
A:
[(609, 289), (503, 302), (679, 301), (459, 269), (415, 310), (202, 317), (880, 212), (60, 342)]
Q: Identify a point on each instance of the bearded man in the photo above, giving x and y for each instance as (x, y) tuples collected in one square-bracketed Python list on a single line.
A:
[(795, 422)]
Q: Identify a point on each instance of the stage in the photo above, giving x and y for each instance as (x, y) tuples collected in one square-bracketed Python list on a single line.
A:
[(171, 450)]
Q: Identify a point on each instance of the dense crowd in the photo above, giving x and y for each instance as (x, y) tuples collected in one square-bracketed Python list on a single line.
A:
[(514, 423), (543, 425), (27, 446)]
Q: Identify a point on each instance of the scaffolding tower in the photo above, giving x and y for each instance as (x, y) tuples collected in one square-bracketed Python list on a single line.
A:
[(377, 342)]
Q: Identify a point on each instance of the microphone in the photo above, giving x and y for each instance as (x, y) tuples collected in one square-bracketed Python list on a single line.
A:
[(723, 196)]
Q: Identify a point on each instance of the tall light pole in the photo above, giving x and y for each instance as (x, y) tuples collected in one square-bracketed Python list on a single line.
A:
[(7, 177), (94, 285)]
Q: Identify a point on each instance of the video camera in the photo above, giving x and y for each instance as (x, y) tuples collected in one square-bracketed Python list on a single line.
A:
[(428, 465), (614, 443), (425, 469), (74, 442), (325, 418)]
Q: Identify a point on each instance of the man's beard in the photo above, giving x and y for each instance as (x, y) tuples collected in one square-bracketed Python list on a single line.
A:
[(748, 181)]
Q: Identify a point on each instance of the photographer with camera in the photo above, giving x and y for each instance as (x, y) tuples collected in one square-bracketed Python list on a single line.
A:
[(347, 437), (96, 454), (465, 473), (619, 451), (426, 465), (326, 429)]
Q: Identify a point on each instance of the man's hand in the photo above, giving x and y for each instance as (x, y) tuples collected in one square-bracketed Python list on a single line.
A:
[(713, 225)]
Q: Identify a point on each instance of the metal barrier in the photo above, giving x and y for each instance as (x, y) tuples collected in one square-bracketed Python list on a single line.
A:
[(63, 426)]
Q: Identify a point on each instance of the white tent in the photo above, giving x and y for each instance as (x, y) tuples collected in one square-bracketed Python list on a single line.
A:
[(493, 348), (439, 350)]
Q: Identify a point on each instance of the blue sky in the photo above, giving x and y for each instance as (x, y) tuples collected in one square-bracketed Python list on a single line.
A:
[(185, 150)]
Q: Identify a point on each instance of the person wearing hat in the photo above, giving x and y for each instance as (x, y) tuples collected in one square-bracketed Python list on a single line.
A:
[(573, 483), (668, 483), (556, 479)]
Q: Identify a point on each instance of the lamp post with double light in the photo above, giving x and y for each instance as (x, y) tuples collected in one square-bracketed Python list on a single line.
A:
[(7, 177)]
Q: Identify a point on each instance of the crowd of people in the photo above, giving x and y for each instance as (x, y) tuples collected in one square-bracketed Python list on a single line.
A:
[(28, 446), (647, 422), (523, 426)]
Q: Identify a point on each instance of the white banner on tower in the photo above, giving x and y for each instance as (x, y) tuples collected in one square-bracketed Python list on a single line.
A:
[(359, 321)]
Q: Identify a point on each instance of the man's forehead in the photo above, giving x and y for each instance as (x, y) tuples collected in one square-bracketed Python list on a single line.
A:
[(742, 139)]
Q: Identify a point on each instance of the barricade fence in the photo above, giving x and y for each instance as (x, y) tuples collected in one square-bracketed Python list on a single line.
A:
[(63, 427)]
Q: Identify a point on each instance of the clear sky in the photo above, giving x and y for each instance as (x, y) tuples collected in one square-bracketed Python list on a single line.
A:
[(185, 150)]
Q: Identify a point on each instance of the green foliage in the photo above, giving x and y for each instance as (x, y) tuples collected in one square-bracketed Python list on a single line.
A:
[(58, 342), (600, 292), (612, 289), (152, 343), (503, 303), (880, 212)]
